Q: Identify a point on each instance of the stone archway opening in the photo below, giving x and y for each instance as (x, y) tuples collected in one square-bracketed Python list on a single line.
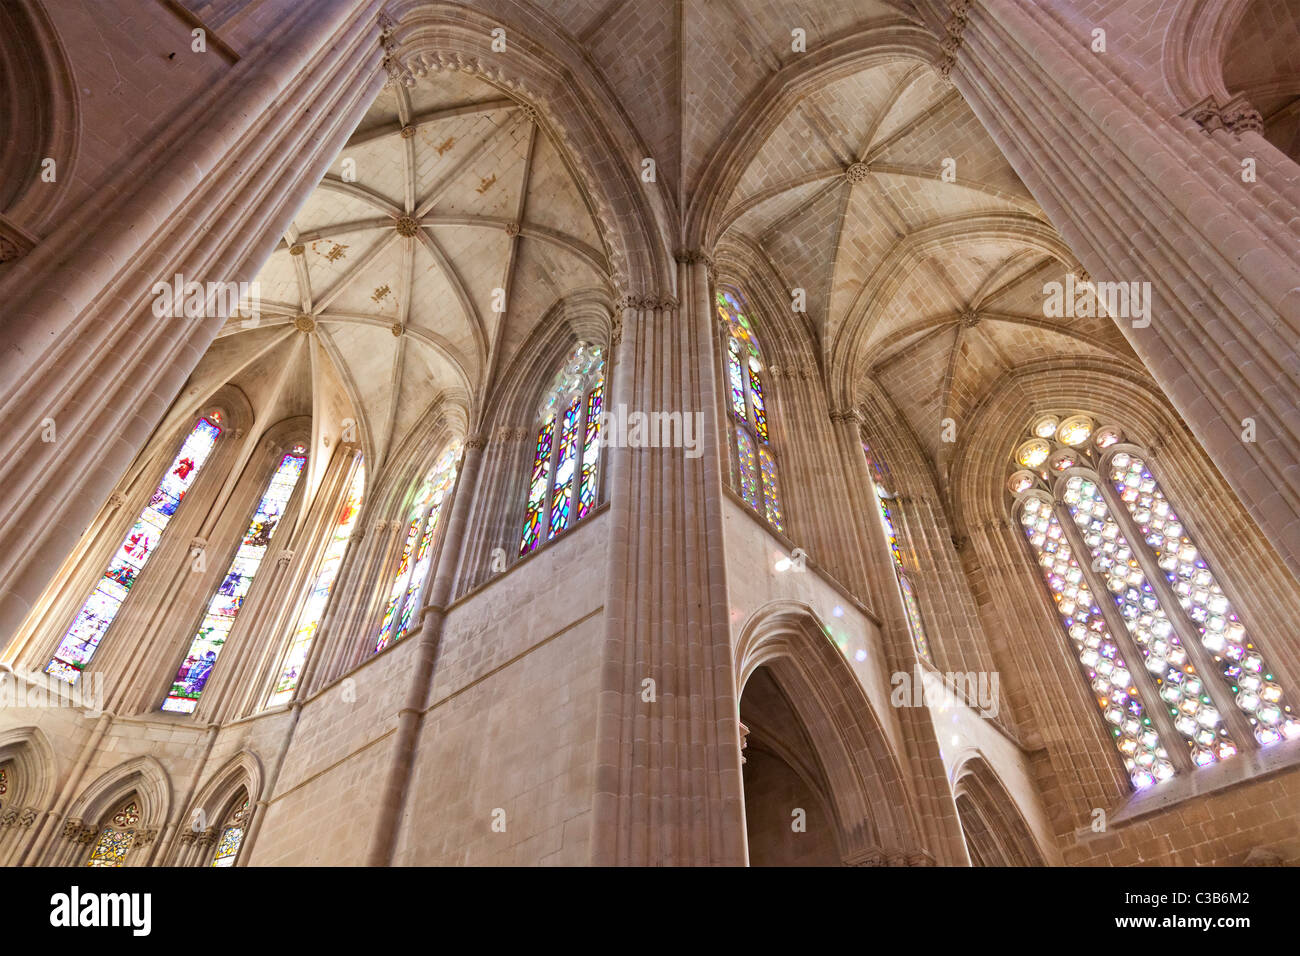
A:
[(788, 820)]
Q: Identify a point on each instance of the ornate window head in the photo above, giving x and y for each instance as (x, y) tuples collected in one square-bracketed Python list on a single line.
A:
[(753, 462), (885, 498), (117, 836), (97, 614), (563, 486), (327, 569), (422, 527), (224, 607), (1195, 688)]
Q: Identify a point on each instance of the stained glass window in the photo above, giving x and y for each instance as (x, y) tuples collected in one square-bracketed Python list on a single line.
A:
[(567, 452), (117, 836), (309, 618), (1170, 613), (754, 463), (915, 624), (92, 622), (232, 835), (419, 548), (226, 603), (1242, 667), (4, 781)]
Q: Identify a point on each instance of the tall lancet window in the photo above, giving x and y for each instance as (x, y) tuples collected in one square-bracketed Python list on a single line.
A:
[(753, 464), (97, 614), (1195, 688), (417, 552), (563, 485), (309, 618), (884, 498), (225, 604)]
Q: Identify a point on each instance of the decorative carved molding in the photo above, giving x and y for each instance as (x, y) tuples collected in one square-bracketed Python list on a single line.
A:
[(408, 131), (476, 442), (512, 229), (116, 499), (406, 226), (397, 328), (304, 323), (665, 303), (615, 331), (954, 27), (207, 838), (857, 173), (969, 318), (1236, 116), (297, 249), (530, 113), (198, 544), (144, 836), (283, 558)]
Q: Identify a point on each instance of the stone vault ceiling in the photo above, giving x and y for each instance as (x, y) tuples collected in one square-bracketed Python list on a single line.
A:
[(383, 288), (932, 289)]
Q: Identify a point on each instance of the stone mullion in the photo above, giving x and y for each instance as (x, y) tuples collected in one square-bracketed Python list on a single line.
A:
[(1160, 200), (310, 64), (422, 666), (1061, 709), (362, 642), (1175, 743), (1188, 634)]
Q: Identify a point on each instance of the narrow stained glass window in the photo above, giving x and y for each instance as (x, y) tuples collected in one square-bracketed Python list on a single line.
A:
[(232, 835), (568, 448), (295, 657), (562, 499), (755, 466), (408, 583), (226, 603), (81, 641), (116, 837), (590, 453), (915, 623)]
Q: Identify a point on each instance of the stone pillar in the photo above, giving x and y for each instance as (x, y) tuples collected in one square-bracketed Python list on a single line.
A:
[(82, 345), (668, 780), (392, 799), (1144, 194)]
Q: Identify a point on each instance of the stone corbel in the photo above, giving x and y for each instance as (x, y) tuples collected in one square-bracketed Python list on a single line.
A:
[(1236, 115), (144, 836)]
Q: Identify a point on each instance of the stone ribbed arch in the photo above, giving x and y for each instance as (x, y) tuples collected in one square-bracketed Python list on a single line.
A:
[(872, 808), (27, 808), (543, 68), (141, 777), (40, 104), (996, 832), (508, 429), (847, 350), (884, 41), (198, 829), (1195, 47)]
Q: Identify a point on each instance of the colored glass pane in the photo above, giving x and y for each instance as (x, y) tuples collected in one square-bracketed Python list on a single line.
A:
[(565, 463), (760, 409), (226, 603), (748, 468), (1098, 654), (309, 618), (82, 639), (537, 488), (590, 452)]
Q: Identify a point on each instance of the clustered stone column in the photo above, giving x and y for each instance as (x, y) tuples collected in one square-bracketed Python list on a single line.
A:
[(668, 787)]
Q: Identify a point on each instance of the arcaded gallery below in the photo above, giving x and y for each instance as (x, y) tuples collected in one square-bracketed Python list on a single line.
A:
[(650, 432)]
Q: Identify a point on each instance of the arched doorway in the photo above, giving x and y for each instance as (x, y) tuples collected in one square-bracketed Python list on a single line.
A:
[(787, 818)]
